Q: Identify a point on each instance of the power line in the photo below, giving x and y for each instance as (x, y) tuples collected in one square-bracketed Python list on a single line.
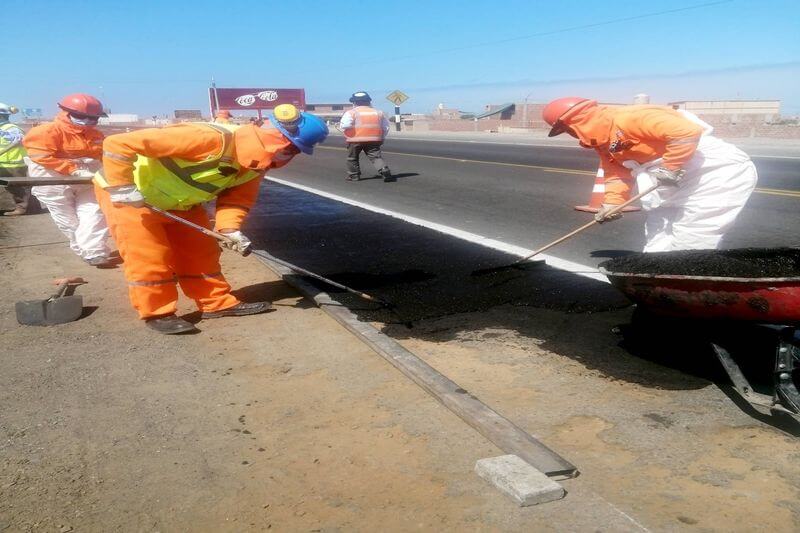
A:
[(546, 33)]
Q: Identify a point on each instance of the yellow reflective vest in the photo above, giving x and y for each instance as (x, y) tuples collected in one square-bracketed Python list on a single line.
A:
[(11, 155)]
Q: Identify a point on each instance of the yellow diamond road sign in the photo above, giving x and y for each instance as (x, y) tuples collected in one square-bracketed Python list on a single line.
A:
[(397, 97)]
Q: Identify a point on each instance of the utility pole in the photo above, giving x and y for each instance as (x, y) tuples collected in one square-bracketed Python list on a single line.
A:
[(525, 111)]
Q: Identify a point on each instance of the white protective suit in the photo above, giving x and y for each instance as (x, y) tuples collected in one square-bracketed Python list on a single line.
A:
[(75, 210), (718, 180)]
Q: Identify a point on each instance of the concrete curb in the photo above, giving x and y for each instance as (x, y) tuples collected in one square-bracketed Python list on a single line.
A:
[(496, 428), (518, 480)]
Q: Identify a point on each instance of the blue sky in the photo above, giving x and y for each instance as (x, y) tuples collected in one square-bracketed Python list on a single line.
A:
[(150, 57)]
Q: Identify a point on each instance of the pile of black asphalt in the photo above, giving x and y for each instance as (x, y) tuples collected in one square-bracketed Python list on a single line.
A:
[(424, 273), (738, 263)]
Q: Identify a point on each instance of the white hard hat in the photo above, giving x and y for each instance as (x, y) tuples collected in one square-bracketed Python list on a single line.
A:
[(6, 109)]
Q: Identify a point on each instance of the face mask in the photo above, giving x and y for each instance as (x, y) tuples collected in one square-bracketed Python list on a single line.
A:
[(86, 121)]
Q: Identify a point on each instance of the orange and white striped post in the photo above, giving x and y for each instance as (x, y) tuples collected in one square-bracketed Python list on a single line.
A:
[(598, 193)]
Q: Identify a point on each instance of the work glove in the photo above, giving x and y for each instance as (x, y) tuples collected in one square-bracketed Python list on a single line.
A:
[(237, 242), (82, 173), (126, 195), (667, 177), (603, 216)]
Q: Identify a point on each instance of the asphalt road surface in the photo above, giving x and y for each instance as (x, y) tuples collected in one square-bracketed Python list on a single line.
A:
[(524, 195)]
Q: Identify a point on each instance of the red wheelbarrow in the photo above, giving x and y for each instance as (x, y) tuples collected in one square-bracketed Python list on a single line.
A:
[(771, 302)]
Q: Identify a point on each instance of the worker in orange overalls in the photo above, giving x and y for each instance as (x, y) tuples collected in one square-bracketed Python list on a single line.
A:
[(179, 168), (71, 145), (705, 182), (365, 129)]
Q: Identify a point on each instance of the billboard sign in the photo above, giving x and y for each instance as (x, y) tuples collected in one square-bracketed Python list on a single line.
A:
[(263, 98), (32, 112)]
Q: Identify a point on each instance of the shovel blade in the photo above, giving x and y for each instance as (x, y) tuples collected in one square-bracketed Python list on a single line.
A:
[(49, 312)]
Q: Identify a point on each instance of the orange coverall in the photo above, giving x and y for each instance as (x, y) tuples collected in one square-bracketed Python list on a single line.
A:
[(641, 133), (56, 145), (160, 253)]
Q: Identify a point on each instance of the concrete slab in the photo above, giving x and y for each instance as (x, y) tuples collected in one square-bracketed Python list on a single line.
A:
[(519, 480)]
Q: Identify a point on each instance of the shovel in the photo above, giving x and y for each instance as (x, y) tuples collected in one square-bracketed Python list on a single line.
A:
[(517, 264), (57, 309)]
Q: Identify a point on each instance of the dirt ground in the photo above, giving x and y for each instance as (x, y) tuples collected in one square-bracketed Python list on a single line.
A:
[(286, 422)]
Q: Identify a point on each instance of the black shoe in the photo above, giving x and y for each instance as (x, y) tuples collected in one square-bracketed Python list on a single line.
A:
[(104, 262), (355, 177), (170, 325), (240, 309), (387, 175)]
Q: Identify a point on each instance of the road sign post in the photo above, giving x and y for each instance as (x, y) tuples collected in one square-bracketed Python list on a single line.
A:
[(397, 98)]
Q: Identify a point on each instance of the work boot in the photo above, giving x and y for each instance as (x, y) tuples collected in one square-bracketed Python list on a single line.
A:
[(353, 177), (387, 175), (240, 309), (15, 213), (170, 325), (104, 262)]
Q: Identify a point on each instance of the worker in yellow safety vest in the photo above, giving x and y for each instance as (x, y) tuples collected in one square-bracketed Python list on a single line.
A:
[(12, 160)]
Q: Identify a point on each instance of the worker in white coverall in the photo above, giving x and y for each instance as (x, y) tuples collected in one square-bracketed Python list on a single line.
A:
[(705, 182), (72, 146)]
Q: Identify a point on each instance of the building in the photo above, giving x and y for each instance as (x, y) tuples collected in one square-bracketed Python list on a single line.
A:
[(733, 111), (328, 112)]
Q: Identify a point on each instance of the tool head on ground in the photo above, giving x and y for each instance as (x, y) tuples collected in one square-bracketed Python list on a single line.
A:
[(58, 309), (81, 105), (7, 110), (304, 131), (558, 112), (361, 98)]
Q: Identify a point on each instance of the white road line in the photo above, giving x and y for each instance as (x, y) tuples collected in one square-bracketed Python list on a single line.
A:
[(562, 264), (551, 145)]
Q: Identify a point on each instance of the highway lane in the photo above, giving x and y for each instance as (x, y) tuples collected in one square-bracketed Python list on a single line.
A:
[(524, 195)]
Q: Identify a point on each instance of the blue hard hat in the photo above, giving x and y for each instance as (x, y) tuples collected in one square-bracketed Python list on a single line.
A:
[(310, 131), (360, 96)]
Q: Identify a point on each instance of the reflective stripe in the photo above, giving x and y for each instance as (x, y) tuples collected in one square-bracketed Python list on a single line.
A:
[(118, 157), (185, 174), (200, 276), (152, 283)]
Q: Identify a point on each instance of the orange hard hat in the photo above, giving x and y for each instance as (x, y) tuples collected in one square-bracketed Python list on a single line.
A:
[(557, 112), (82, 104), (224, 113)]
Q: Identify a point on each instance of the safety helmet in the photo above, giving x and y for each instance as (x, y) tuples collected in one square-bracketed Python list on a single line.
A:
[(304, 131), (286, 113), (360, 97), (82, 104), (6, 109), (557, 112), (223, 113)]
